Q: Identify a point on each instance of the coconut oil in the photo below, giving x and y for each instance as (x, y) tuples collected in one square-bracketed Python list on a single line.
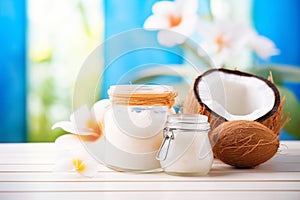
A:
[(186, 149), (133, 124)]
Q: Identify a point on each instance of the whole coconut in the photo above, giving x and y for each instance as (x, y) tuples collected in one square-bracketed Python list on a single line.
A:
[(243, 143)]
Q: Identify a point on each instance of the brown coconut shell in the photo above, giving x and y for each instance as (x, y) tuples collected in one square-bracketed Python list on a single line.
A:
[(243, 143), (193, 104)]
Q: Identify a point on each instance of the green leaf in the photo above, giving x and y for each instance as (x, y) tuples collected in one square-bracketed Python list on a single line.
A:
[(280, 73), (291, 107)]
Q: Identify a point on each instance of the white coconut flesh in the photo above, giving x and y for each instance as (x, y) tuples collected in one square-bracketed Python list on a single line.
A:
[(234, 96)]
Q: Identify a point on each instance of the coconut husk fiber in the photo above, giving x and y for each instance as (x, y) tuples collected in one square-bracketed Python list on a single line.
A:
[(243, 143)]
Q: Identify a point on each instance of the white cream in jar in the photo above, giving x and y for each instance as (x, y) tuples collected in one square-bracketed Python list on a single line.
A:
[(186, 149), (132, 125)]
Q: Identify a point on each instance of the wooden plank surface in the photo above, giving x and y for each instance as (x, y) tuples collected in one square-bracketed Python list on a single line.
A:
[(26, 173), (166, 195)]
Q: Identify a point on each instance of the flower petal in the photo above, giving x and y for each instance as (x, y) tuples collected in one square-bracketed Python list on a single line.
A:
[(188, 7), (209, 46), (207, 29), (81, 117), (71, 128), (63, 165), (68, 142), (221, 58), (155, 22), (99, 108), (187, 26), (170, 38), (72, 146), (66, 126), (90, 168), (164, 8), (264, 47)]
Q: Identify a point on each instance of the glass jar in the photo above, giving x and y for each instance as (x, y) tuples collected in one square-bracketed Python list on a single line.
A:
[(186, 148), (132, 122)]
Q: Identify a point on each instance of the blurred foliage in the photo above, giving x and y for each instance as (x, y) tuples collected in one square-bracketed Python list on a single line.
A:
[(282, 74), (41, 121), (57, 45)]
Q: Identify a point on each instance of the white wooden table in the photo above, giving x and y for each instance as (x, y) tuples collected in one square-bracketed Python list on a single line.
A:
[(26, 173)]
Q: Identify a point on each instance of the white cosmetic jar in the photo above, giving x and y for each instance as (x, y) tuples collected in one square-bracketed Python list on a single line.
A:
[(132, 126)]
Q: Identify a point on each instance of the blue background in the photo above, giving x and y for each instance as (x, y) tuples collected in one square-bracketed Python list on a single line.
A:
[(13, 70), (278, 20)]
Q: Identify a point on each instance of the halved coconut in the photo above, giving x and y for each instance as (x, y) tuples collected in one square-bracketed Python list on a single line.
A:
[(227, 95)]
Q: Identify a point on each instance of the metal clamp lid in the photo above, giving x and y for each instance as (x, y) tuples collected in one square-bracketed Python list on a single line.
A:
[(164, 148)]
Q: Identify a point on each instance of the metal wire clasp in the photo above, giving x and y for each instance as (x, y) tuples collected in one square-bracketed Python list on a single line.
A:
[(164, 148)]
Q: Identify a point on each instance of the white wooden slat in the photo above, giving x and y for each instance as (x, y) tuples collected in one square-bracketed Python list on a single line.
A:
[(165, 195), (25, 168), (290, 156), (38, 147), (148, 186), (294, 144), (130, 177), (19, 148), (28, 159), (26, 173), (265, 167), (51, 158), (26, 147), (217, 166), (38, 168)]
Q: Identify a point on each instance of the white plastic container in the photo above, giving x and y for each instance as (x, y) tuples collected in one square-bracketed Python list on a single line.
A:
[(186, 149)]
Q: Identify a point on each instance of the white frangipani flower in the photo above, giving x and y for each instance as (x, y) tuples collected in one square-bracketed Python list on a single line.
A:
[(73, 157), (86, 123), (223, 39), (176, 20)]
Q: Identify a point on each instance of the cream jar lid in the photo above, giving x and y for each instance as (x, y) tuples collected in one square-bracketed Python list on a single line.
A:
[(139, 95)]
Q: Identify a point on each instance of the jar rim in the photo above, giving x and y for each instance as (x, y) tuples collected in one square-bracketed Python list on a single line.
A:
[(188, 122), (138, 89), (188, 118)]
